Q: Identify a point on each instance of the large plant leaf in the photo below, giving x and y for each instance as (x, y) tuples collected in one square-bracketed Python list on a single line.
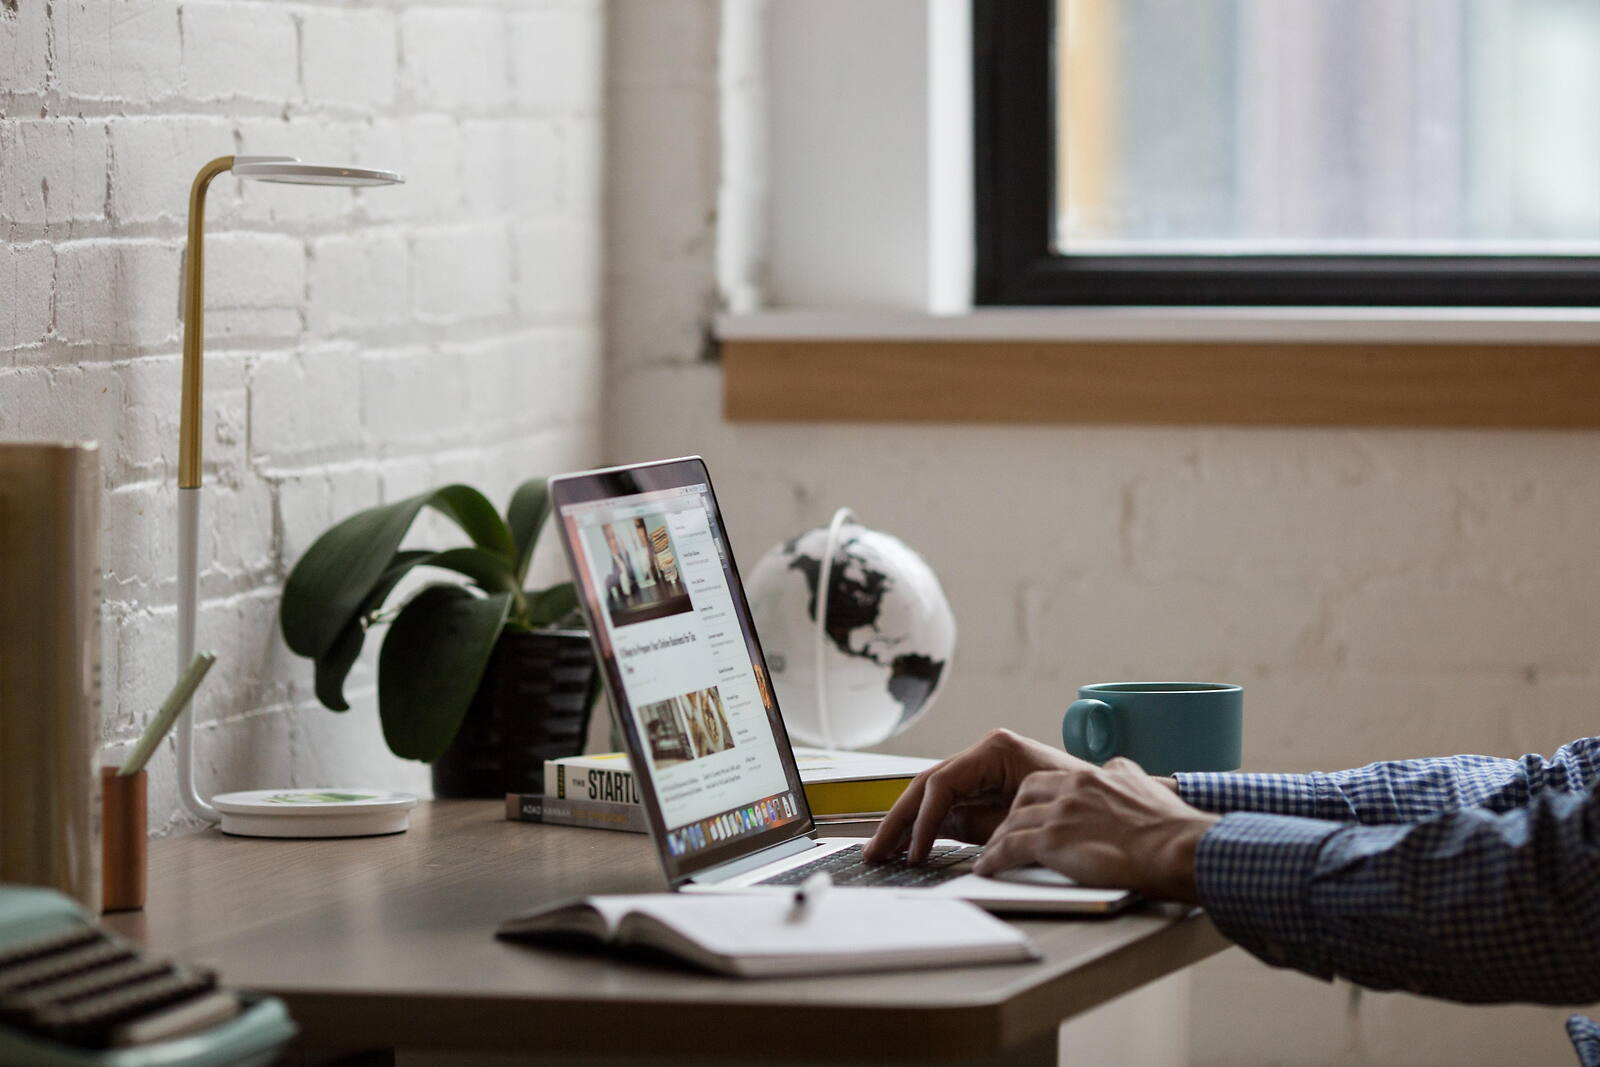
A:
[(332, 669), (431, 663), (334, 665), (491, 572), (551, 605), (327, 587), (472, 512), (530, 507), (337, 573)]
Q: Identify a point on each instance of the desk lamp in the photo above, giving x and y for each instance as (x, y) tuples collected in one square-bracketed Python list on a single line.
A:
[(288, 170)]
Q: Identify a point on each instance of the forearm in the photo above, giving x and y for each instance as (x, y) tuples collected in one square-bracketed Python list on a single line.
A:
[(1470, 905), (1400, 790)]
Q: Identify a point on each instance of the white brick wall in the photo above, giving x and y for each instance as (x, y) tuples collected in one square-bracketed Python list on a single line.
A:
[(236, 51), (361, 345), (1378, 592), (351, 57)]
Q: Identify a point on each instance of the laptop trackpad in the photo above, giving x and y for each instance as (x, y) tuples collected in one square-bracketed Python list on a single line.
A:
[(1042, 876)]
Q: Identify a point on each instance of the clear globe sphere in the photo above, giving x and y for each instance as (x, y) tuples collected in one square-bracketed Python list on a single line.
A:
[(882, 652)]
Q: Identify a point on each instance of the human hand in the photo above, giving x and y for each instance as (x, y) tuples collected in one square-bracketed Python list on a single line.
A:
[(966, 796), (1113, 826)]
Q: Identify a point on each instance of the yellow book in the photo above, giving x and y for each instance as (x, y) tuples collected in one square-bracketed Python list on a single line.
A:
[(855, 783)]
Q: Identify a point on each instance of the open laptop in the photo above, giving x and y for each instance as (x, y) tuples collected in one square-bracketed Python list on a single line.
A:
[(690, 688)]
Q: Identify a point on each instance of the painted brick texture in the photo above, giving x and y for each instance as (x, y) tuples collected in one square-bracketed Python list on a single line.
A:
[(362, 345)]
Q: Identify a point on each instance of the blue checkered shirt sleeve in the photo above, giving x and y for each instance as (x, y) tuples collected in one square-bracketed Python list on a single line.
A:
[(1401, 790), (1468, 878)]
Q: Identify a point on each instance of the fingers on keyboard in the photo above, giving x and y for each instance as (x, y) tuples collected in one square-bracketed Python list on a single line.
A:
[(847, 868)]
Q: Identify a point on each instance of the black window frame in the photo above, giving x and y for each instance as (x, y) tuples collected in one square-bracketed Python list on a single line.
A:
[(1014, 185)]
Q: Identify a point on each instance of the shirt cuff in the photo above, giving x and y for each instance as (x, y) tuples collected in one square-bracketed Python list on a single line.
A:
[(1253, 873), (1585, 1035), (1282, 794)]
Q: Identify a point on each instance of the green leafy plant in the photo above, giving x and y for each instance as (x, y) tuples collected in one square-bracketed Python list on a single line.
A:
[(439, 643)]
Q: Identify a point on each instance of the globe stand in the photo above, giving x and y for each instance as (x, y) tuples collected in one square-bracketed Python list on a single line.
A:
[(824, 584)]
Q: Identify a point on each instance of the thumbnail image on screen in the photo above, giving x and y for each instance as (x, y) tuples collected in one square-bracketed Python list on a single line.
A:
[(763, 685), (686, 727), (639, 565)]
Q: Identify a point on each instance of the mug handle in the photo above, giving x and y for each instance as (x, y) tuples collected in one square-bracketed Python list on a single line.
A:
[(1089, 730)]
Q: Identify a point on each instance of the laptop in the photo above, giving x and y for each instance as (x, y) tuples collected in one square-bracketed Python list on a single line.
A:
[(690, 689)]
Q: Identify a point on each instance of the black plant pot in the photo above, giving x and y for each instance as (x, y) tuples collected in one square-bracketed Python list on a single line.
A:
[(532, 705)]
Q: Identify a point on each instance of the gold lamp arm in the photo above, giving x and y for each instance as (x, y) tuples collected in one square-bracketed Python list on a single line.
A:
[(189, 419), (194, 319)]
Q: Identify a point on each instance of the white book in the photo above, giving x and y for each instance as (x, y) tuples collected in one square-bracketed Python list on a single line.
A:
[(766, 935), (837, 782), (819, 765)]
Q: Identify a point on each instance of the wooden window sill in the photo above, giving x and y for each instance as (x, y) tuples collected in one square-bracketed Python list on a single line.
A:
[(1551, 380)]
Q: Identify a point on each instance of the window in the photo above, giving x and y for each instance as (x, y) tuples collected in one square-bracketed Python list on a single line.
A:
[(1288, 152)]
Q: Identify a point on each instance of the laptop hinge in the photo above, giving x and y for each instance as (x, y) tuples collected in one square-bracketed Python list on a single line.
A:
[(723, 871)]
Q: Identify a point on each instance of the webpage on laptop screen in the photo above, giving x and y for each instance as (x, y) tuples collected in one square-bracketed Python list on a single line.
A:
[(656, 574)]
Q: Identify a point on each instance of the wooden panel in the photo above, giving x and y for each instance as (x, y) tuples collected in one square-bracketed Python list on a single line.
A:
[(1163, 383), (388, 941)]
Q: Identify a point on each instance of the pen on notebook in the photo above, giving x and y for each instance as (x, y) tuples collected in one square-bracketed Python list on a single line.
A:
[(808, 892)]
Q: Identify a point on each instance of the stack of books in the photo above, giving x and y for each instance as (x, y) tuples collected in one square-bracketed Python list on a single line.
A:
[(599, 791)]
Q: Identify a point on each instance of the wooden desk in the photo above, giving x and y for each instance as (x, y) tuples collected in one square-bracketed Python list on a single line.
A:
[(386, 942)]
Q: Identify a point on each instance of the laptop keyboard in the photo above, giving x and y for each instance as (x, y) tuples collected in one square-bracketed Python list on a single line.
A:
[(846, 867)]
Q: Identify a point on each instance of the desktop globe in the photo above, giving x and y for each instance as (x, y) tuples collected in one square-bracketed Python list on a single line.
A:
[(874, 658)]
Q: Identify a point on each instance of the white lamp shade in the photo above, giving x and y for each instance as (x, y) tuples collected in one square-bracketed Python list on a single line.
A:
[(293, 172)]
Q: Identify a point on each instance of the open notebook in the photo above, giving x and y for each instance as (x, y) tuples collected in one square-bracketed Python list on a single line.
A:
[(766, 934)]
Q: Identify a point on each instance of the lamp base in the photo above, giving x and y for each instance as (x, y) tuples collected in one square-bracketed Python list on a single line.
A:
[(318, 812)]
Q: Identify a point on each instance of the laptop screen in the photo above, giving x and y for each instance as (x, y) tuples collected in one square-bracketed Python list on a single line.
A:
[(684, 668)]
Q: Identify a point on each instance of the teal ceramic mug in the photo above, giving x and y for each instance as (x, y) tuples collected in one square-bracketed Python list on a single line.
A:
[(1165, 727)]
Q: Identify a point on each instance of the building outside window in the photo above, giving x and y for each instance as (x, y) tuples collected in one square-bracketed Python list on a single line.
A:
[(1437, 152)]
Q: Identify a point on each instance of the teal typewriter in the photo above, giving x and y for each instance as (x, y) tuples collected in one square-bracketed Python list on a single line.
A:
[(73, 995)]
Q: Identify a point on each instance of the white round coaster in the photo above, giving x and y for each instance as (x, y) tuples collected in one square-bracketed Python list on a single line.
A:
[(317, 812)]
